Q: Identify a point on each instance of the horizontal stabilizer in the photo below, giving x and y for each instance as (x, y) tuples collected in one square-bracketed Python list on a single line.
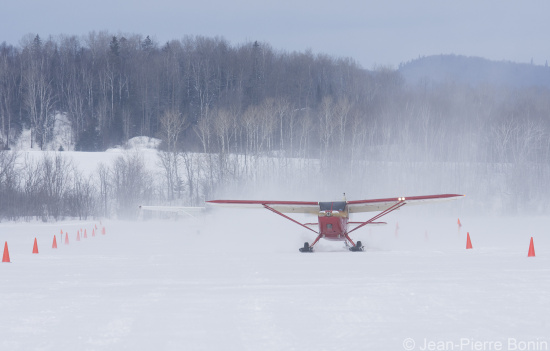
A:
[(189, 211)]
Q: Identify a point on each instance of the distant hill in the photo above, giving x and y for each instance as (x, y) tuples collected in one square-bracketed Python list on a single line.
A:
[(474, 71)]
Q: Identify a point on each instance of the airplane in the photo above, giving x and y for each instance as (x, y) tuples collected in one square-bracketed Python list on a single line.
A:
[(333, 216)]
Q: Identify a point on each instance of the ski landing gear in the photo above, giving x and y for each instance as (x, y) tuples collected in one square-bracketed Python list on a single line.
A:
[(354, 248), (309, 248), (306, 248), (357, 247)]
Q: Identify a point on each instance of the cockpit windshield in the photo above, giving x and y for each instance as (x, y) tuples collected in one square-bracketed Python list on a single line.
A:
[(333, 206)]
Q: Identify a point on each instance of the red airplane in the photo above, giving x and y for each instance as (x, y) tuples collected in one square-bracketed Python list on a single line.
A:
[(333, 216)]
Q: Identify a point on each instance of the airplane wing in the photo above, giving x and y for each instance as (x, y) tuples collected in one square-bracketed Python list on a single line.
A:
[(281, 206), (383, 204), (313, 207)]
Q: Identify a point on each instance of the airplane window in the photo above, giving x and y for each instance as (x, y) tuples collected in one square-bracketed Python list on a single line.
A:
[(332, 206)]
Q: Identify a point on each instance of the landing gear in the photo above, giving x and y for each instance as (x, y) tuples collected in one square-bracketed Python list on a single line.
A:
[(306, 248), (354, 247), (309, 248), (357, 247)]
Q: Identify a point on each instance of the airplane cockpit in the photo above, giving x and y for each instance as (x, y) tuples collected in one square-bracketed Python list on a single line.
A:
[(337, 208)]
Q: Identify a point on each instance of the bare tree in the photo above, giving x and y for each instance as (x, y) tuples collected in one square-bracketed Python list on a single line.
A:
[(32, 200), (172, 125), (104, 188), (204, 131), (8, 96), (326, 119), (9, 183), (81, 197), (193, 165), (131, 184), (39, 97), (56, 173), (225, 125)]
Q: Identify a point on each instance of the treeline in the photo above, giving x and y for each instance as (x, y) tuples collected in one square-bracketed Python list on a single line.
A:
[(242, 117), (115, 87)]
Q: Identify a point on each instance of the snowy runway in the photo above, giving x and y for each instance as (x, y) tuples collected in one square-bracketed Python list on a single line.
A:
[(206, 285)]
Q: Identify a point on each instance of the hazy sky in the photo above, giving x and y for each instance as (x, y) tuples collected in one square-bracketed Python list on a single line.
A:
[(372, 32)]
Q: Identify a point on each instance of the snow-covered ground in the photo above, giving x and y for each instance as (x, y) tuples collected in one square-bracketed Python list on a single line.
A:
[(234, 280), (87, 162)]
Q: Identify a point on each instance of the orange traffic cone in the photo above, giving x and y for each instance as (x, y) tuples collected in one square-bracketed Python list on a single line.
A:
[(77, 236), (459, 224), (468, 242), (531, 249), (66, 239), (103, 231), (35, 247), (54, 244), (93, 232), (6, 257), (85, 235)]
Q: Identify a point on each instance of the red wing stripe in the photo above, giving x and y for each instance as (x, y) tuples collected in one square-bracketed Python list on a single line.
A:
[(407, 198), (264, 202)]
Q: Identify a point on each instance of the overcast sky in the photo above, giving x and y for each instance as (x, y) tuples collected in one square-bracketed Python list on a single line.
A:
[(382, 32)]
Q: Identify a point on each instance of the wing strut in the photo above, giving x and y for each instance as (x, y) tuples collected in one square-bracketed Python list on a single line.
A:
[(383, 213), (289, 218)]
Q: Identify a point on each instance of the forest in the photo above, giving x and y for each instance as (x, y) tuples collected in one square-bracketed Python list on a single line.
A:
[(237, 119)]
